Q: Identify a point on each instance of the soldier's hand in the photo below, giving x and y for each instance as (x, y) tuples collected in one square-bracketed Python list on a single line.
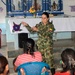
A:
[(24, 23), (34, 29)]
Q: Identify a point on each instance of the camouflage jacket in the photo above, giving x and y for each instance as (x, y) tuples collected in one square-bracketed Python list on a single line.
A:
[(43, 30), (45, 40)]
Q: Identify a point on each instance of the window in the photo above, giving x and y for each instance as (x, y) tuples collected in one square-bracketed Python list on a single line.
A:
[(21, 7)]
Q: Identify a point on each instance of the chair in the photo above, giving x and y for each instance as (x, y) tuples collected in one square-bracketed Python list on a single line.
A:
[(33, 68)]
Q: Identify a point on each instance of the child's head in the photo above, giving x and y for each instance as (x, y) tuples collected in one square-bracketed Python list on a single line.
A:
[(3, 65), (29, 46), (68, 59)]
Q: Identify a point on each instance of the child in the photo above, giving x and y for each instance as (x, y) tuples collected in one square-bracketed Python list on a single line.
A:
[(3, 66), (29, 55), (68, 62)]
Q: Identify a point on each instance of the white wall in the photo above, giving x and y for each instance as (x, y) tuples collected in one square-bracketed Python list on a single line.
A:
[(67, 8), (3, 12), (2, 23)]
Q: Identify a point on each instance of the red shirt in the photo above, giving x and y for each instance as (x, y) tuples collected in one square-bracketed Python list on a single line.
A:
[(24, 58), (64, 73)]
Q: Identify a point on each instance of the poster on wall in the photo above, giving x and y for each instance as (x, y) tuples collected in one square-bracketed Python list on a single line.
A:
[(17, 27), (1, 9), (69, 8), (2, 12)]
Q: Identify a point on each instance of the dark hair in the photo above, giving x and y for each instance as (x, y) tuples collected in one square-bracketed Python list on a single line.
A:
[(3, 63), (14, 61), (29, 46), (46, 13), (68, 58)]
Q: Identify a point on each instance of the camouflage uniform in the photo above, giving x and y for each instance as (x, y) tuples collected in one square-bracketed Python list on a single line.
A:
[(45, 40)]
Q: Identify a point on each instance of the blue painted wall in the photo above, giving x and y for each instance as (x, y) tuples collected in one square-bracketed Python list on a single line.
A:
[(63, 35), (3, 28), (10, 37)]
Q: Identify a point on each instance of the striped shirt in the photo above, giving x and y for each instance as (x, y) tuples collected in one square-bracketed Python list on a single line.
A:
[(24, 58)]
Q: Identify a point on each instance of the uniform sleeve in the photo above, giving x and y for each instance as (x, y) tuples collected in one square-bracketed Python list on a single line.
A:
[(51, 30), (52, 26), (30, 29)]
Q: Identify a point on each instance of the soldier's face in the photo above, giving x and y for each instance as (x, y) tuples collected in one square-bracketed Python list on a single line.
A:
[(44, 19)]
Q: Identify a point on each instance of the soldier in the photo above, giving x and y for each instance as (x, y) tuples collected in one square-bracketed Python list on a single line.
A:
[(45, 31)]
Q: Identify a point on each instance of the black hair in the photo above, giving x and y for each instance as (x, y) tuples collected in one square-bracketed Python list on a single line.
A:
[(68, 58), (28, 46), (14, 60), (3, 63), (46, 13)]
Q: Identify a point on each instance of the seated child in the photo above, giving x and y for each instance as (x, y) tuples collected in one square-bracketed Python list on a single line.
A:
[(29, 55), (3, 66), (68, 62)]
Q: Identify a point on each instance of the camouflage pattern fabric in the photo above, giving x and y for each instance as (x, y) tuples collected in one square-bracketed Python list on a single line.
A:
[(45, 41)]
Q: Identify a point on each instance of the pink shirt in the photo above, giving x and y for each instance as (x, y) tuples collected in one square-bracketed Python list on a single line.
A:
[(24, 58)]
